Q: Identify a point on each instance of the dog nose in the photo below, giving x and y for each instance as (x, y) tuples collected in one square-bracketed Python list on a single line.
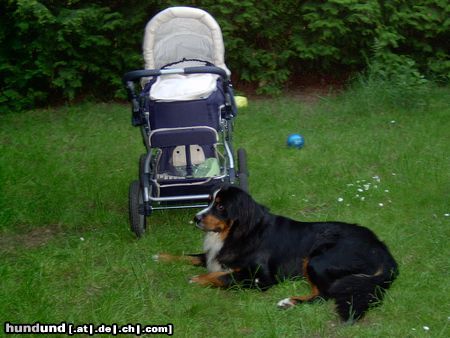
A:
[(197, 218), (198, 221)]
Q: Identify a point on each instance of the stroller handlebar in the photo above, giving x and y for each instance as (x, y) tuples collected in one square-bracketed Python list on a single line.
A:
[(207, 69), (138, 74)]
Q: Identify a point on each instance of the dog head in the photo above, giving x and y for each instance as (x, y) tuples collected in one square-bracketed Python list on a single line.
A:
[(232, 210)]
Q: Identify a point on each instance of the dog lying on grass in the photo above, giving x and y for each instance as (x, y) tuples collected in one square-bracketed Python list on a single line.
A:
[(246, 245)]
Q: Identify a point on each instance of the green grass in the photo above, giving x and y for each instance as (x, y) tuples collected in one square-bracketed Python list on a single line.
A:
[(66, 253)]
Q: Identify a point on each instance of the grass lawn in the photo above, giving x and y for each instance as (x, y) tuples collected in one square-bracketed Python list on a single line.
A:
[(66, 253)]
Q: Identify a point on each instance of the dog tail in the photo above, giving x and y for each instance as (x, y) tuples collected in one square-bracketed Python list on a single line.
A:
[(355, 293)]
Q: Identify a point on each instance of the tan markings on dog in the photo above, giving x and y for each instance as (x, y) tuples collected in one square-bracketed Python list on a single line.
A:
[(194, 260), (212, 223), (212, 278), (314, 289), (224, 233), (163, 257)]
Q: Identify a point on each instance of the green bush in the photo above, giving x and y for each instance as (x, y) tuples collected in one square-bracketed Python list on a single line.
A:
[(56, 50), (268, 41), (60, 50), (418, 31)]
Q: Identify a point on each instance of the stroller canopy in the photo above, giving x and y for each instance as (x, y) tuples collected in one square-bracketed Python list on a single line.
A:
[(179, 33)]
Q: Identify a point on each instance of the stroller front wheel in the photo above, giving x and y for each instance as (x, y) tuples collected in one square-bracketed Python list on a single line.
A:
[(138, 220), (243, 171)]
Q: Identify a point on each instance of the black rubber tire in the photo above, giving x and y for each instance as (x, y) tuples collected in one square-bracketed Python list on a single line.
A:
[(138, 222), (243, 171), (141, 169), (243, 182)]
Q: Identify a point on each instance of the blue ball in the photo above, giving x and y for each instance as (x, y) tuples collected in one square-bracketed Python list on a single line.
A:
[(295, 141)]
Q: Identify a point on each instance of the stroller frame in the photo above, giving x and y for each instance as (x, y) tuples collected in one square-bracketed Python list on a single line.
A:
[(178, 43), (141, 201)]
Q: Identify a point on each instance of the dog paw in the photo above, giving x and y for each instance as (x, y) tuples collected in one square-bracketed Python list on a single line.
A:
[(194, 279), (164, 257), (285, 303)]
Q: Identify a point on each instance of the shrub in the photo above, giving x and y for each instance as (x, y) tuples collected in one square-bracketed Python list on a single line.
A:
[(390, 81), (63, 49), (268, 41), (59, 50), (417, 30)]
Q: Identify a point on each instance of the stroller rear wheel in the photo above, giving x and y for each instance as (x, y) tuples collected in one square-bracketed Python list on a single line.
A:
[(243, 171), (138, 221)]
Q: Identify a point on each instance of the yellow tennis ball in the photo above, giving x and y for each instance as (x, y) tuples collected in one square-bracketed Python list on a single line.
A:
[(241, 101)]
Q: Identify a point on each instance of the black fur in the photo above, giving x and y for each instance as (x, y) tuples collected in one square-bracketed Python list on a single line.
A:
[(346, 262)]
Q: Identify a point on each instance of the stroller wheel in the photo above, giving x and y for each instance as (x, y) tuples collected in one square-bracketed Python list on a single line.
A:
[(243, 171), (142, 168), (138, 221)]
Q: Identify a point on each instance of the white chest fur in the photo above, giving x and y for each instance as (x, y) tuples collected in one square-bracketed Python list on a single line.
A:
[(211, 246)]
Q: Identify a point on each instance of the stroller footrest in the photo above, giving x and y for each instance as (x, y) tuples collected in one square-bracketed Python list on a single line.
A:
[(170, 137)]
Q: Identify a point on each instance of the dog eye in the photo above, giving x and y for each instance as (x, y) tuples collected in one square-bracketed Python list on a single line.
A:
[(220, 207)]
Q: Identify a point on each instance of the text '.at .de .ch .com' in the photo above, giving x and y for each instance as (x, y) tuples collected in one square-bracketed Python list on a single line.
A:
[(87, 329)]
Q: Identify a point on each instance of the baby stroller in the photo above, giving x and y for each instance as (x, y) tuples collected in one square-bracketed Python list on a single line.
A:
[(185, 111)]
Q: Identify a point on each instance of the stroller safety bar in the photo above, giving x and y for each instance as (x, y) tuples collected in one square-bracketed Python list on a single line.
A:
[(137, 74)]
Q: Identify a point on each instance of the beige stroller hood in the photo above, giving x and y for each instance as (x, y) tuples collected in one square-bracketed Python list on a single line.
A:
[(179, 33)]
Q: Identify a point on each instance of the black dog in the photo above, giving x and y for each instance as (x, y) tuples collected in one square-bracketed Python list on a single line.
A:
[(247, 245)]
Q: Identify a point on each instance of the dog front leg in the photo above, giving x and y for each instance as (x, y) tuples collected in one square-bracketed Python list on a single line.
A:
[(194, 259), (243, 277), (217, 279)]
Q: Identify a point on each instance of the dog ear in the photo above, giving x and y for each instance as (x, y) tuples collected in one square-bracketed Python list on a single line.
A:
[(245, 213)]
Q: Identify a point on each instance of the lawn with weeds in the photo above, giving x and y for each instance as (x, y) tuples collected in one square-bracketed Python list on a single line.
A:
[(67, 254)]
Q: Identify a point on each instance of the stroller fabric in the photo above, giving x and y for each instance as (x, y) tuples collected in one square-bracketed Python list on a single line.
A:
[(183, 32), (178, 87)]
